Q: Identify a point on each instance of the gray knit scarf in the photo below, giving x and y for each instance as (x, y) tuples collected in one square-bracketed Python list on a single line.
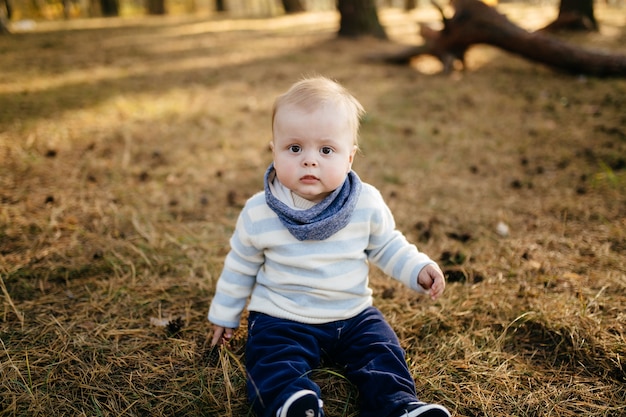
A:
[(322, 220)]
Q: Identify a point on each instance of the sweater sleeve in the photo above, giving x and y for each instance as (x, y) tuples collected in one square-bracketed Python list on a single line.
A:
[(238, 276), (390, 251)]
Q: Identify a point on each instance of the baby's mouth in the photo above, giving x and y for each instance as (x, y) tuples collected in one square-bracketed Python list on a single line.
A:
[(309, 178)]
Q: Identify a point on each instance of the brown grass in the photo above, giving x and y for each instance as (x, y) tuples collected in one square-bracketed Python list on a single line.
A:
[(127, 147)]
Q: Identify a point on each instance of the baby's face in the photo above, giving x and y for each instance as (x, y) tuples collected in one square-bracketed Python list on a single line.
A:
[(313, 150)]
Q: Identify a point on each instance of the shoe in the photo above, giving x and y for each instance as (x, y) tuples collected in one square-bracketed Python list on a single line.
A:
[(303, 403), (425, 410)]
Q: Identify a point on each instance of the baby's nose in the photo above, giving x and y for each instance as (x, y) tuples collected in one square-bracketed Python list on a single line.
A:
[(309, 161)]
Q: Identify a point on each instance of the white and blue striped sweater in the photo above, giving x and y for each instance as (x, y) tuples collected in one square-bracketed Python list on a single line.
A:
[(311, 281)]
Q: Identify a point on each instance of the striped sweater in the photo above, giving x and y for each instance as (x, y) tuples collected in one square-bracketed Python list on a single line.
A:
[(311, 281)]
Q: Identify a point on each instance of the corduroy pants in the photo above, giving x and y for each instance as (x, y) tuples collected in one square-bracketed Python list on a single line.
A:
[(280, 355)]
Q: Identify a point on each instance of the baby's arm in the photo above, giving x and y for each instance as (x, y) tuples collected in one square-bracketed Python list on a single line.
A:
[(236, 281), (431, 279)]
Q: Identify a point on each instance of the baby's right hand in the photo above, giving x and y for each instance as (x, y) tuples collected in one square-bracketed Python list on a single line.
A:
[(431, 279), (221, 335)]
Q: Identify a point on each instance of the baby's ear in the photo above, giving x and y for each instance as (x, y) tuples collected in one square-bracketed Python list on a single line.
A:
[(354, 150), (272, 145)]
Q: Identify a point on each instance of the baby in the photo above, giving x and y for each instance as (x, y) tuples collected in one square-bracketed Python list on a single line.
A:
[(301, 252)]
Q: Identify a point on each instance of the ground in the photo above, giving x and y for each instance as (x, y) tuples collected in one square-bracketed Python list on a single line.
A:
[(128, 146)]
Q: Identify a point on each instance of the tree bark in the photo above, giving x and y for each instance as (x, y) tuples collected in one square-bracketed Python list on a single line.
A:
[(359, 18), (476, 23)]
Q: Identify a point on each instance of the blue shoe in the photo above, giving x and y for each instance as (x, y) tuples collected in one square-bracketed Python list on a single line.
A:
[(425, 410), (303, 403)]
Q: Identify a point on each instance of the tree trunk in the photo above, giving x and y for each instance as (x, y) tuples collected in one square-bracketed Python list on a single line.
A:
[(110, 8), (5, 17), (476, 23), (574, 15), (359, 18), (293, 6), (410, 5), (220, 5), (3, 27), (67, 7), (155, 7), (8, 9)]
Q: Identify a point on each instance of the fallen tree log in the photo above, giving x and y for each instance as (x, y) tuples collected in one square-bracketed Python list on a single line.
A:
[(475, 23)]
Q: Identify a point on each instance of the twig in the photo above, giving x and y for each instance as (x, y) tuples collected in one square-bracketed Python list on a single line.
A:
[(7, 296)]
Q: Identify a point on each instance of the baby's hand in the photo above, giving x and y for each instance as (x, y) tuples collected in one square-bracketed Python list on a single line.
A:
[(431, 279), (221, 335)]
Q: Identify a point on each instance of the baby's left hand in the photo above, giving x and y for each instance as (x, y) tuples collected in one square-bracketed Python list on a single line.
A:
[(431, 279)]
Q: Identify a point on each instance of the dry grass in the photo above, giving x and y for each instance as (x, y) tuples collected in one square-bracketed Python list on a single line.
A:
[(128, 146)]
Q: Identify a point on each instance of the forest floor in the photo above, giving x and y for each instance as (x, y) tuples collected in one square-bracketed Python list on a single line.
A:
[(128, 146)]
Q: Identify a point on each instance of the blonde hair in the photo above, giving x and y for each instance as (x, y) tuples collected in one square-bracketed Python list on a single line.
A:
[(310, 93)]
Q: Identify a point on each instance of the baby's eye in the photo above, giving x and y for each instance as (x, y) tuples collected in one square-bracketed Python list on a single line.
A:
[(294, 148), (326, 150)]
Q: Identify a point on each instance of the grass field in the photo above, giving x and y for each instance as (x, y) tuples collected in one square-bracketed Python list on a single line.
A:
[(128, 146)]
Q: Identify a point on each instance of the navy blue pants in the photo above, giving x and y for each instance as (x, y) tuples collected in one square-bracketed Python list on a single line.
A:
[(281, 353)]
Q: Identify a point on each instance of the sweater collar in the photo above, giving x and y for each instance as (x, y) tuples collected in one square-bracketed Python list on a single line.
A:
[(324, 219)]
